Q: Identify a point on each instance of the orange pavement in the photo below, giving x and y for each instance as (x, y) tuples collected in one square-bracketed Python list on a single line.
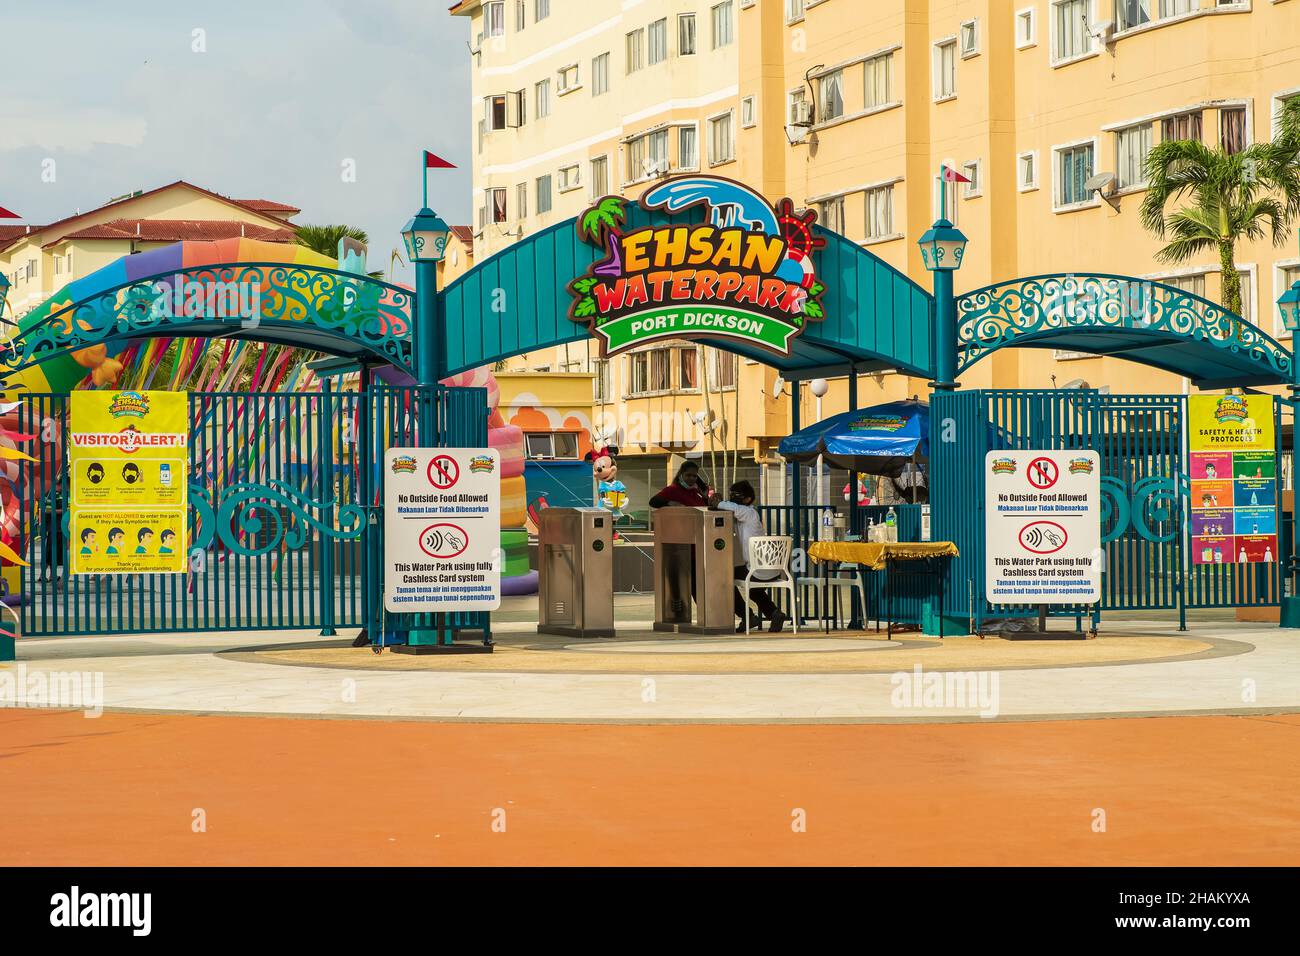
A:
[(121, 790)]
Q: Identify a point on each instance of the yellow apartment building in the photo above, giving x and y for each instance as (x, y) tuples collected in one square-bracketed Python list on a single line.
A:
[(850, 107), (41, 259)]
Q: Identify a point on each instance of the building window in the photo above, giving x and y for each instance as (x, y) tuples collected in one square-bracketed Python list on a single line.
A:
[(521, 15), (1074, 167), (30, 272), (497, 204), (647, 155), (688, 369), (830, 96), (831, 214), (1026, 28), (601, 384), (1132, 146), (1182, 126), (494, 18), (945, 69), (970, 38), (551, 445), (1232, 129), (504, 110), (878, 80), (1070, 27), (974, 171), (747, 113), (543, 90), (722, 142), (570, 177), (722, 370), (722, 24), (567, 78), (798, 100), (688, 147), (1027, 171), (1287, 276), (794, 10), (635, 50), (543, 194), (58, 265), (650, 371), (880, 212), (686, 34), (600, 75), (658, 39), (599, 177), (541, 9), (521, 200), (945, 199), (1135, 13)]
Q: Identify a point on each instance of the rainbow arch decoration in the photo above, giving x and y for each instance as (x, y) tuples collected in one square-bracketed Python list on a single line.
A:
[(278, 293)]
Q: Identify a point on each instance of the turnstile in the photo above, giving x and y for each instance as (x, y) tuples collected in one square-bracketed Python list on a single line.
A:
[(576, 572), (694, 558)]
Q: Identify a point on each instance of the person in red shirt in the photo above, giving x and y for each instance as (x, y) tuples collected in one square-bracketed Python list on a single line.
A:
[(688, 489)]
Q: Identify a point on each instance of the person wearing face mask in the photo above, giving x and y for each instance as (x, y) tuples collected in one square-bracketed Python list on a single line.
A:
[(689, 489), (748, 523)]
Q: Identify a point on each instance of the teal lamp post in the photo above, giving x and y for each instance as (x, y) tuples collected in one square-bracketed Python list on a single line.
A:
[(943, 246), (426, 238), (4, 292), (1289, 307)]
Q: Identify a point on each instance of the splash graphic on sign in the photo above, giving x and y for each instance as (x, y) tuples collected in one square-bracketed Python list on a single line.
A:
[(745, 273)]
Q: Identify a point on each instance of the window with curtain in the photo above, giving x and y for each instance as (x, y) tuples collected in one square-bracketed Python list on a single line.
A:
[(494, 19), (723, 369), (686, 34), (600, 75), (1071, 25), (831, 214), (521, 200), (688, 369), (1132, 146), (880, 212), (722, 24), (1232, 129), (543, 90), (635, 50), (599, 177), (878, 80), (658, 40), (499, 205), (1075, 166), (1182, 126), (794, 10), (688, 148), (722, 143), (945, 69), (541, 9), (543, 194), (660, 371), (830, 96)]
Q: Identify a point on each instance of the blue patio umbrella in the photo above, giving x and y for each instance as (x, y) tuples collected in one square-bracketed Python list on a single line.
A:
[(874, 441)]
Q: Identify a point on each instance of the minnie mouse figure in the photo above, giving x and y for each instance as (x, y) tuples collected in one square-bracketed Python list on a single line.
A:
[(611, 494)]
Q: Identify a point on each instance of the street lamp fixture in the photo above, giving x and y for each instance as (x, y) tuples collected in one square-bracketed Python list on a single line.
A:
[(426, 236), (1289, 306), (942, 247)]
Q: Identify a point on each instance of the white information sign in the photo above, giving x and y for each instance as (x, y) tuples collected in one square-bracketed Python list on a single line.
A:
[(442, 530), (1042, 521)]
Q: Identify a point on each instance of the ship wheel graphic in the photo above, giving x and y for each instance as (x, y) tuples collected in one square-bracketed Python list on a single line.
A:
[(796, 230)]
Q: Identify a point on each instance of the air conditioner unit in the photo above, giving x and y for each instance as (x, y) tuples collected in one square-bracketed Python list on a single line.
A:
[(1104, 31), (800, 113)]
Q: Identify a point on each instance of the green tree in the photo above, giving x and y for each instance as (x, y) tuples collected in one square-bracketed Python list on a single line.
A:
[(1229, 197)]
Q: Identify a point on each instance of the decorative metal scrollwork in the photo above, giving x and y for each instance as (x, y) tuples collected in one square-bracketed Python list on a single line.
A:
[(1151, 502), (999, 315), (357, 308), (275, 514)]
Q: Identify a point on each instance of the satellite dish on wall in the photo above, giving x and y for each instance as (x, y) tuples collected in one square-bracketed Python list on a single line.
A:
[(778, 387), (1103, 184)]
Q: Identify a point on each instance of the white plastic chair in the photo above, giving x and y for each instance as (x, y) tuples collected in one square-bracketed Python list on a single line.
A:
[(769, 553), (852, 581)]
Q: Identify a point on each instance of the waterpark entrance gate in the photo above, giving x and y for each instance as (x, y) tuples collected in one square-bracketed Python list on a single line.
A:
[(284, 509), (1145, 485)]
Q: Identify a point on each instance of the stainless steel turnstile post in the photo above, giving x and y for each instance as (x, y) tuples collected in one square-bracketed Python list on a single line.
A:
[(694, 558), (576, 572)]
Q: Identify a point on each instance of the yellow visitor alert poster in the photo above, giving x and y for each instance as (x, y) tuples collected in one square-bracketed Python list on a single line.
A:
[(128, 458)]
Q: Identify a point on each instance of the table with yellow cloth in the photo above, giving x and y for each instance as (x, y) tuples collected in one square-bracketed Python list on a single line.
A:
[(877, 555), (873, 555)]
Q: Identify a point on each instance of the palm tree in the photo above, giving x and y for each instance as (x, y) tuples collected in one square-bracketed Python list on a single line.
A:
[(1233, 196), (325, 240)]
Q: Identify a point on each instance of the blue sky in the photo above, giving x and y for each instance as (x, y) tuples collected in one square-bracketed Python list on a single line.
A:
[(286, 92)]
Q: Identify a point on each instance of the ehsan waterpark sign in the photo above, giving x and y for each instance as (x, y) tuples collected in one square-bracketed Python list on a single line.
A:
[(745, 273)]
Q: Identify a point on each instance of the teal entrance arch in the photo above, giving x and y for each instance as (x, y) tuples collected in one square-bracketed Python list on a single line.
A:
[(1122, 316), (518, 301)]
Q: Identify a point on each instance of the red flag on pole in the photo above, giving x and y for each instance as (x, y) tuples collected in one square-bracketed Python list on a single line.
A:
[(952, 176), (436, 162), (6, 214)]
